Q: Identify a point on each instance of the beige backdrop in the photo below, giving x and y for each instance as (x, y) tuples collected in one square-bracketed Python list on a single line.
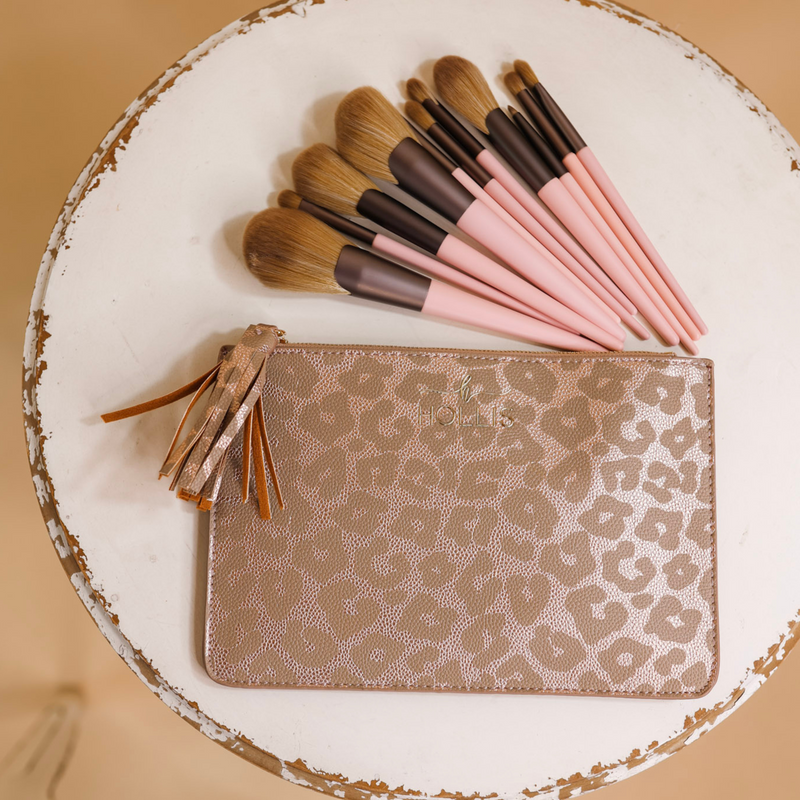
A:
[(69, 70)]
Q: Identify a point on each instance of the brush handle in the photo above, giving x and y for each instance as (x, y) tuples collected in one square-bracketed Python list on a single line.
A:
[(627, 260), (461, 255), (437, 269), (599, 201), (550, 226), (577, 311), (419, 174), (561, 203), (452, 304), (599, 176), (497, 209), (597, 290)]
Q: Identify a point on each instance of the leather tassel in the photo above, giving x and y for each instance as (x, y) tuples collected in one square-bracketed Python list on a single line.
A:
[(196, 462)]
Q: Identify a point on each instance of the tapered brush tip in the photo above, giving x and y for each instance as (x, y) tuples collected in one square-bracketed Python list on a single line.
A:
[(463, 87), (323, 177), (368, 128), (417, 113), (291, 250), (289, 199), (513, 83), (417, 90), (527, 75)]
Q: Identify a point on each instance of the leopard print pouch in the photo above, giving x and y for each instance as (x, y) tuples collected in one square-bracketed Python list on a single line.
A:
[(471, 521)]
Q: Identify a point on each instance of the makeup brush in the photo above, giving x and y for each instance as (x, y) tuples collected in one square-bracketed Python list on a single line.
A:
[(391, 247), (594, 204), (371, 134), (543, 148), (289, 249), (322, 176), (463, 87), (542, 240), (591, 175), (477, 181), (534, 211)]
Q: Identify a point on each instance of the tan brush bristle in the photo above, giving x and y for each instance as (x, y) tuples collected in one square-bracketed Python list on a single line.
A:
[(513, 83), (289, 249), (417, 90), (462, 86), (417, 113), (322, 176), (289, 199), (368, 128), (523, 69)]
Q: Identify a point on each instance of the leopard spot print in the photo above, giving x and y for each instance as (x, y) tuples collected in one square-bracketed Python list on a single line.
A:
[(418, 525), (376, 653), (572, 475), (614, 429), (660, 621), (624, 657), (571, 423), (328, 419), (426, 620), (663, 391), (366, 378), (346, 612), (467, 524), (556, 650), (478, 586), (606, 382), (580, 603), (531, 510), (322, 556), (613, 570), (606, 517), (528, 596), (309, 646), (533, 379), (570, 561), (659, 525)]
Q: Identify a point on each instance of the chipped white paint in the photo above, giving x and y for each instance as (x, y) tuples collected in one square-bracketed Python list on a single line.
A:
[(151, 284)]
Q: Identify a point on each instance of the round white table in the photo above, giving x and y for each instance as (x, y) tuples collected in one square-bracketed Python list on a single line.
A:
[(142, 281)]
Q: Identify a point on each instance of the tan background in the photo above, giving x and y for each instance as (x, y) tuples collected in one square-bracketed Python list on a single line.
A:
[(68, 70)]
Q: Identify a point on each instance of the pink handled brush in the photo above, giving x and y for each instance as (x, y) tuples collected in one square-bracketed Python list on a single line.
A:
[(543, 148), (544, 242), (463, 87), (372, 135), (289, 249), (397, 250), (591, 176), (518, 202), (481, 185), (322, 176)]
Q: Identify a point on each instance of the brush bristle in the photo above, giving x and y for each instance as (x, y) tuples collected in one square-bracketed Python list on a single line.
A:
[(462, 86), (513, 83), (417, 90), (368, 128), (289, 199), (322, 176), (289, 249), (523, 69), (417, 113)]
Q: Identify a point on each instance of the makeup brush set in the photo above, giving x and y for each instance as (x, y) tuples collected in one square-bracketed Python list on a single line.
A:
[(450, 520), (571, 263)]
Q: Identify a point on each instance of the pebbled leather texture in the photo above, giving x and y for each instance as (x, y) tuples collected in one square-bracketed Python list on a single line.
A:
[(474, 521)]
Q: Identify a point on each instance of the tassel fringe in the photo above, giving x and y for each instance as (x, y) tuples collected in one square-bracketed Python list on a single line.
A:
[(196, 462)]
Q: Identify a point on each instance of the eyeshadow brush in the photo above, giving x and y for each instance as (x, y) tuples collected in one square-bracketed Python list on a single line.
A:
[(543, 148), (289, 249), (391, 247), (374, 137), (555, 234), (463, 87), (322, 176), (591, 175), (541, 239), (594, 203)]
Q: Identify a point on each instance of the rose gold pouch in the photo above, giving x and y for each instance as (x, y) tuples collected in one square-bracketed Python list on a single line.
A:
[(472, 521)]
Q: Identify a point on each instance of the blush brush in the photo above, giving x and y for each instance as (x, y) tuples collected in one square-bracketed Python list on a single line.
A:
[(397, 250), (464, 88), (534, 217), (289, 249), (374, 137), (322, 176), (594, 180)]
